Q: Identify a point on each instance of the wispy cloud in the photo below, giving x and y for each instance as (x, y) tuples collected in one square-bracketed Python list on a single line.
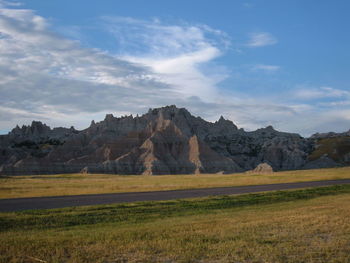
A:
[(174, 52), (261, 39), (248, 5), (4, 3), (43, 74), (48, 77), (266, 68), (340, 103), (308, 93)]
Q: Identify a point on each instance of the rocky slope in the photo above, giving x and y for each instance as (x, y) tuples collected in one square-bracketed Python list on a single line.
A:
[(166, 140)]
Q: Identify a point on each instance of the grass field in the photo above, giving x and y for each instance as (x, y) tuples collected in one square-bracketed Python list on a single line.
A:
[(310, 225), (74, 184)]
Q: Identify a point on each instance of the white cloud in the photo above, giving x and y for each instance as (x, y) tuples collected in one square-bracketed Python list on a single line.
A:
[(261, 39), (336, 120)]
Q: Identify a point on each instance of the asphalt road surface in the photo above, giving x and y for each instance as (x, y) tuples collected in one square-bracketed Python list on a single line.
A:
[(18, 204)]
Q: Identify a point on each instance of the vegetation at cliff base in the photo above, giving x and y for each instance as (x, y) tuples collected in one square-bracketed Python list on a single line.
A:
[(75, 184)]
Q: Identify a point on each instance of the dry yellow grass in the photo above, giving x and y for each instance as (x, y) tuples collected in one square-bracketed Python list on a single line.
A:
[(314, 230), (75, 184)]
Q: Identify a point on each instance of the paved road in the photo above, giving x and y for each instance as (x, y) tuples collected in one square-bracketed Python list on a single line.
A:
[(18, 204)]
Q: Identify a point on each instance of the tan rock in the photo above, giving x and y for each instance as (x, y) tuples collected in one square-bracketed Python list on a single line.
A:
[(262, 168)]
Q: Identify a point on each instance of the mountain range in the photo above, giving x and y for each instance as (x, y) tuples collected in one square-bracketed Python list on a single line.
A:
[(167, 140)]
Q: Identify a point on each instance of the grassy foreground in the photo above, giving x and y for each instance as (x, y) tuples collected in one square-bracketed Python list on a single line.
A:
[(75, 184), (310, 225)]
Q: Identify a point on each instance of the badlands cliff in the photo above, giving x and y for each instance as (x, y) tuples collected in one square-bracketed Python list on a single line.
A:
[(167, 140)]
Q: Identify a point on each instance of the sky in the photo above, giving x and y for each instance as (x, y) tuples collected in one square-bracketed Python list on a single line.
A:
[(257, 63)]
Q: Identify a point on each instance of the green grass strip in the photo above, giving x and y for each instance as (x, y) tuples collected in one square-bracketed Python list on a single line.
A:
[(146, 211)]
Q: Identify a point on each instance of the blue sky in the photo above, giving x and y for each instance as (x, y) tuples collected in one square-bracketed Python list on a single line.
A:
[(258, 63)]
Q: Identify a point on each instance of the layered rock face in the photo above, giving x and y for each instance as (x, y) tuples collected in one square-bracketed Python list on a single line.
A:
[(166, 140)]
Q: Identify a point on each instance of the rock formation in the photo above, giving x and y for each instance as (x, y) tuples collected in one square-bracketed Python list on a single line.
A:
[(167, 140), (262, 168)]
